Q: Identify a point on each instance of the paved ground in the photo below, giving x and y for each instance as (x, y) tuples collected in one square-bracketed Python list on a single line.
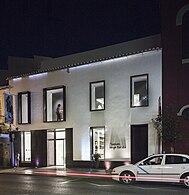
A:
[(54, 171)]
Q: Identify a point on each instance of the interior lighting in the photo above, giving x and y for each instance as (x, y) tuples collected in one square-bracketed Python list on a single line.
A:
[(17, 79), (38, 75)]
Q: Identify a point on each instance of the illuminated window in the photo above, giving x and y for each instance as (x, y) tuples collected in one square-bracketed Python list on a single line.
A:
[(97, 95), (24, 108), (139, 90), (54, 104), (98, 141), (26, 147)]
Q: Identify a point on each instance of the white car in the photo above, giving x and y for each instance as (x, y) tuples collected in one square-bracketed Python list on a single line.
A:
[(159, 167)]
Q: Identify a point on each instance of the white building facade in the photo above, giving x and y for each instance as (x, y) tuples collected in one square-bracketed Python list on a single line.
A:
[(106, 106)]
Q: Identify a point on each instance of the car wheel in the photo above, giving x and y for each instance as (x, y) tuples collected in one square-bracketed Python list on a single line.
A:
[(185, 180), (127, 177)]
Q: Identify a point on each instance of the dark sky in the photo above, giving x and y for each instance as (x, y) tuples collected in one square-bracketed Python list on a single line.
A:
[(61, 27)]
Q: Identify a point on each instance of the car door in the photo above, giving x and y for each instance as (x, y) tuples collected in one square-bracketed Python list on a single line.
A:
[(174, 166), (150, 169)]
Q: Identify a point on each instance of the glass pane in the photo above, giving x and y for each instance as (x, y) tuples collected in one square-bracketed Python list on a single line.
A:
[(153, 160), (97, 95), (27, 146), (98, 142), (50, 153), (24, 108), (19, 108), (22, 146), (60, 135), (139, 91), (59, 152), (50, 135), (55, 109)]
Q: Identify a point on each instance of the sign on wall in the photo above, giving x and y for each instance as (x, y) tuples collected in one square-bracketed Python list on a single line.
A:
[(117, 140), (8, 98)]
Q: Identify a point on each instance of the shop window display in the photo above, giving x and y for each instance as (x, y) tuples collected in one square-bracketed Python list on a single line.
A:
[(26, 147), (98, 142)]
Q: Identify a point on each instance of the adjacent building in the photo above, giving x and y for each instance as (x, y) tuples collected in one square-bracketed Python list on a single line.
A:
[(5, 148), (100, 101), (175, 60)]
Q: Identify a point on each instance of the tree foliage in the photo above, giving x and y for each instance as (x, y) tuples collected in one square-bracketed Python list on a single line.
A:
[(167, 126), (4, 128)]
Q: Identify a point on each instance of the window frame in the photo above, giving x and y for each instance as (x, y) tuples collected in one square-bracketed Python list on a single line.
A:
[(23, 141), (92, 141), (174, 157), (132, 93), (20, 107), (155, 158), (90, 95), (45, 103)]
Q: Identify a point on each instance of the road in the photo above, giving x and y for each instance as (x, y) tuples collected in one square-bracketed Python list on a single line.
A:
[(50, 185)]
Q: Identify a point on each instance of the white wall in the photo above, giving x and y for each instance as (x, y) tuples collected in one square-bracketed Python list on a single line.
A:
[(117, 116)]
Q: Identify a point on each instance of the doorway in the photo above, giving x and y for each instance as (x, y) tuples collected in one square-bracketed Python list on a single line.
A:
[(139, 142), (56, 146), (60, 152), (97, 141)]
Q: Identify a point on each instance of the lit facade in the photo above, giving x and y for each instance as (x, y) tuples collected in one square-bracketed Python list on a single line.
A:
[(67, 114)]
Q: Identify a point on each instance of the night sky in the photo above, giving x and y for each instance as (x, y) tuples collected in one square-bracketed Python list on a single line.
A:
[(61, 27)]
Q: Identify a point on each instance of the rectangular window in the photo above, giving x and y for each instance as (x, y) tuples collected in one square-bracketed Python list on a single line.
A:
[(98, 141), (56, 147), (176, 160), (54, 104), (26, 147), (139, 90), (24, 108), (97, 96)]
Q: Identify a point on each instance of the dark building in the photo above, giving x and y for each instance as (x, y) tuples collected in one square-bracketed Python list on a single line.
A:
[(175, 54)]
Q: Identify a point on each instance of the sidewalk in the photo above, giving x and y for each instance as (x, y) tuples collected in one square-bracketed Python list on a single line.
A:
[(56, 171)]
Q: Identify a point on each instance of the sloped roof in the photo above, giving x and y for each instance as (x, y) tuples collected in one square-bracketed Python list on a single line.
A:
[(97, 55)]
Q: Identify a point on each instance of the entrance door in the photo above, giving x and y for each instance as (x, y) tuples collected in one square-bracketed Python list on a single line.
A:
[(50, 153), (60, 152), (139, 142), (56, 147)]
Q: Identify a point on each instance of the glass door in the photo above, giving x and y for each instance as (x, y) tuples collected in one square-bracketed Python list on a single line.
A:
[(60, 152), (56, 147), (50, 149)]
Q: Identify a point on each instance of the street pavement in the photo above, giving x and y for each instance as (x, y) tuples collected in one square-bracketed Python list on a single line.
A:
[(20, 181), (56, 171)]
